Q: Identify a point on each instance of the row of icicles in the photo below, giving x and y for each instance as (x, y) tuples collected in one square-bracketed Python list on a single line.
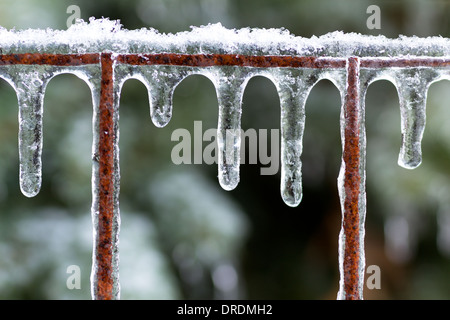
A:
[(293, 86)]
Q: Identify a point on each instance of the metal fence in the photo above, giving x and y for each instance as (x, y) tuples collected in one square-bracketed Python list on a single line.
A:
[(352, 63)]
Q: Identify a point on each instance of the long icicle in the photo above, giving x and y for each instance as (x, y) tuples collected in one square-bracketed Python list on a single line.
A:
[(293, 90), (29, 82), (230, 85)]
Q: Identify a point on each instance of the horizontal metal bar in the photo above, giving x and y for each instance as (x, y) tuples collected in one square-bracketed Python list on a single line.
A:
[(49, 59), (209, 60), (431, 62)]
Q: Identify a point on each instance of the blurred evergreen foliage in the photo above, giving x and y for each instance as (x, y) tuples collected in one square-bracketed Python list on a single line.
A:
[(182, 236)]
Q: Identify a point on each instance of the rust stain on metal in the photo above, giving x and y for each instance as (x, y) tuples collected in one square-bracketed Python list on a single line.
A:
[(50, 59), (104, 245), (430, 62), (208, 60), (352, 179), (205, 60)]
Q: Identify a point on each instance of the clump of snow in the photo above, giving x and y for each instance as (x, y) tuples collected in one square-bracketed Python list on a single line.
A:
[(99, 35)]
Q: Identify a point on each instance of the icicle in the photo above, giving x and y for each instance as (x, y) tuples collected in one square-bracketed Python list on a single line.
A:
[(160, 82), (30, 95), (412, 86), (29, 83), (293, 87), (230, 84)]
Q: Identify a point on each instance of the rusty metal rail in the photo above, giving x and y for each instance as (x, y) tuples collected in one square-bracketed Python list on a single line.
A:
[(353, 159)]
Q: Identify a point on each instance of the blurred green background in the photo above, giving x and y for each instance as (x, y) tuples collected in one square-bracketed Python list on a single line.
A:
[(182, 236)]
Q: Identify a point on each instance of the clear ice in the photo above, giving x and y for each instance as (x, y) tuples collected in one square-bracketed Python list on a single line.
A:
[(230, 85), (29, 83), (293, 88), (412, 86)]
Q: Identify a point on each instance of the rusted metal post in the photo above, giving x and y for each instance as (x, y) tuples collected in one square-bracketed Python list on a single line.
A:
[(104, 274), (351, 188)]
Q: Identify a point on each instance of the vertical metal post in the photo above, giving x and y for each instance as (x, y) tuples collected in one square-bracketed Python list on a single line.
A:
[(351, 235), (104, 276)]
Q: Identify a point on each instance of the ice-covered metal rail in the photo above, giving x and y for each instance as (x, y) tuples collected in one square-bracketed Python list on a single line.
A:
[(105, 56)]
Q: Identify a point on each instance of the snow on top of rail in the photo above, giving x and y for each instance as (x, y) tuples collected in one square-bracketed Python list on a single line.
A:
[(100, 35)]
